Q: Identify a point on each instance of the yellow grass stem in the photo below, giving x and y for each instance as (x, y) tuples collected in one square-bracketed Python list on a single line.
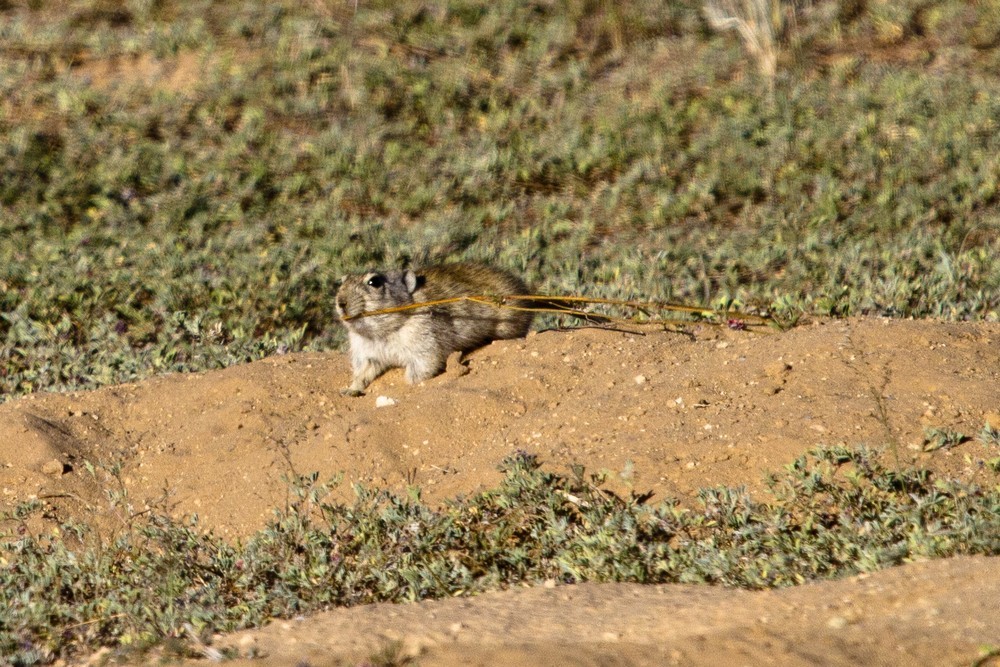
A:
[(550, 304)]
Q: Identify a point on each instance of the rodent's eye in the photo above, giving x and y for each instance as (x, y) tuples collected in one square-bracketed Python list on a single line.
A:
[(376, 281)]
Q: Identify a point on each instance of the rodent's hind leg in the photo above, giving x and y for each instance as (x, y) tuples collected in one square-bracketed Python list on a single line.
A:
[(364, 374), (420, 369)]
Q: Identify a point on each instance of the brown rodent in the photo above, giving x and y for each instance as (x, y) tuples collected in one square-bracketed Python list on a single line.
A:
[(421, 339)]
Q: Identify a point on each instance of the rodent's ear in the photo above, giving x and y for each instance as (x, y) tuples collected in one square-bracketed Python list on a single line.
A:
[(411, 281)]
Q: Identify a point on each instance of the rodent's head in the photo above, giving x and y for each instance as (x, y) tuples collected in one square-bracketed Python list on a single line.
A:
[(371, 291)]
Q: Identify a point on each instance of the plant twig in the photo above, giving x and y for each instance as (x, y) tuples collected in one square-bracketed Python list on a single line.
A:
[(549, 304), (755, 21)]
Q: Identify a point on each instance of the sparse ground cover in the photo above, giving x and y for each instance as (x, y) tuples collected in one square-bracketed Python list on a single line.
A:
[(836, 512), (181, 185)]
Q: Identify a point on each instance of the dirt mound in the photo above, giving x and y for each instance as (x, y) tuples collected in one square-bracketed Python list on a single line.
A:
[(667, 412), (934, 613)]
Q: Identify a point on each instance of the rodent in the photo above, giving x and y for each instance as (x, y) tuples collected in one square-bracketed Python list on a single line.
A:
[(421, 339)]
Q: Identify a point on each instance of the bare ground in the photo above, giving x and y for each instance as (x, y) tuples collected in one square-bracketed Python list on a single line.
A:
[(668, 412)]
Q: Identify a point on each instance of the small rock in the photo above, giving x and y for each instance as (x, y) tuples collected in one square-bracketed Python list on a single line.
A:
[(53, 468), (777, 369), (640, 379), (837, 623), (385, 402)]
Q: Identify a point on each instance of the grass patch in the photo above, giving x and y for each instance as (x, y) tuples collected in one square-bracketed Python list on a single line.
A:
[(835, 512)]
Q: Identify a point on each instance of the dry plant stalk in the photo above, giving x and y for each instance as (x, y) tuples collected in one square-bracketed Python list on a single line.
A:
[(755, 21), (551, 304)]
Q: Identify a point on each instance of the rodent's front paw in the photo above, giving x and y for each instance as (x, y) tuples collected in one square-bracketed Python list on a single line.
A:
[(351, 391)]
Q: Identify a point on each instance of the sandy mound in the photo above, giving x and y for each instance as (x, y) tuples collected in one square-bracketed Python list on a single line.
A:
[(667, 412), (935, 613)]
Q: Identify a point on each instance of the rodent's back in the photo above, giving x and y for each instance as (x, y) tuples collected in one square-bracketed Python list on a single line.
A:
[(463, 325), (446, 281)]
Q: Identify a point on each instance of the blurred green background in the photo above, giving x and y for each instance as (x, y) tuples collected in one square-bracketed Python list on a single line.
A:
[(182, 183)]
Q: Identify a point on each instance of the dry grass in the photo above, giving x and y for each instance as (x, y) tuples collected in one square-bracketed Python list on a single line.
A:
[(756, 22)]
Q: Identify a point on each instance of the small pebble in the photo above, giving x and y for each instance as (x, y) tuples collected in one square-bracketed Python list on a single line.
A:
[(53, 467)]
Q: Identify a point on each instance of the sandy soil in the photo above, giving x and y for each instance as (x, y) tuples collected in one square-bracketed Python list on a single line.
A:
[(668, 412)]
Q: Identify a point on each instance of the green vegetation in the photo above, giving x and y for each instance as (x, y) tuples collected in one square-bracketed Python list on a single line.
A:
[(182, 183), (834, 512), (935, 438), (991, 436)]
